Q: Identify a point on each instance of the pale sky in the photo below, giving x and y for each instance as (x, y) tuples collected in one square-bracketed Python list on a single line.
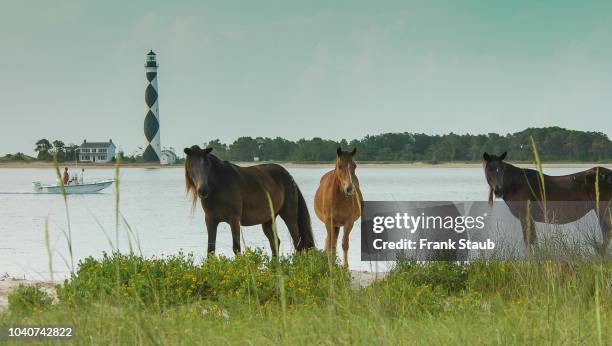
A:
[(74, 69)]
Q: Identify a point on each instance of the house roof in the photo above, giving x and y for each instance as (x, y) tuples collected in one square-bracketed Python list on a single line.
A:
[(96, 144)]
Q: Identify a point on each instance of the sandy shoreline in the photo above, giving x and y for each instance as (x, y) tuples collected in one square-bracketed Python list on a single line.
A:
[(47, 165)]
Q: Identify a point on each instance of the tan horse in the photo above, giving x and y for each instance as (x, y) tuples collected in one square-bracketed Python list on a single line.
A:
[(338, 201)]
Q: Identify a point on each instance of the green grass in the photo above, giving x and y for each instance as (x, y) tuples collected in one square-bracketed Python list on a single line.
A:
[(127, 299)]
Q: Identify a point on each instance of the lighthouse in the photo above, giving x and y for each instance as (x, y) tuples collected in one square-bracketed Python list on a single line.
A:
[(152, 152)]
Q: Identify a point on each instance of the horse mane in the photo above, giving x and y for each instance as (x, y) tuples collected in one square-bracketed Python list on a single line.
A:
[(491, 198), (190, 185)]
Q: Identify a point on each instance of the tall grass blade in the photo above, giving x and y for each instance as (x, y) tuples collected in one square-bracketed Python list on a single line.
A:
[(65, 198), (48, 247), (540, 170), (281, 283), (116, 181), (117, 163), (251, 284), (598, 306), (131, 235), (597, 190), (528, 228), (273, 219)]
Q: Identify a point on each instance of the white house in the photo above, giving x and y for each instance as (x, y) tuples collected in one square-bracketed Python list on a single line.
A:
[(167, 157), (97, 151)]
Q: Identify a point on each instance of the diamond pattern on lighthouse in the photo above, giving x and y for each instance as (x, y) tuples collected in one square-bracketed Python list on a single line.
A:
[(151, 126), (150, 95), (151, 76), (149, 154)]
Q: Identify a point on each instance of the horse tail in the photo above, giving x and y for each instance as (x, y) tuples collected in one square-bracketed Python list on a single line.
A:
[(304, 227)]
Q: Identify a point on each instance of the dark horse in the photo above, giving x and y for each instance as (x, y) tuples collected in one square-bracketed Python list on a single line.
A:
[(246, 196), (563, 199)]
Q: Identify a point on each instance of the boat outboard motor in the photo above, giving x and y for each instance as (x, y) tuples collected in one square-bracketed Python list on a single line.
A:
[(36, 186)]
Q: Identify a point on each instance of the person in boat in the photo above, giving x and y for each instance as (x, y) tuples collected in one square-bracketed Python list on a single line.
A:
[(82, 177), (66, 177)]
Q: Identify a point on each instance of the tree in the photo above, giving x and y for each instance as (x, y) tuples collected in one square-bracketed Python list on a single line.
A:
[(43, 147), (58, 145), (71, 152), (316, 149), (243, 149), (219, 149)]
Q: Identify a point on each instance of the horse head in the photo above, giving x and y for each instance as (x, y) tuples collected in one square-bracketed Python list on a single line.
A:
[(494, 169), (197, 171), (345, 170)]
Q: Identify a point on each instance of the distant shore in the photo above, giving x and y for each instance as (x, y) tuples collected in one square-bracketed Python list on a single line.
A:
[(369, 164)]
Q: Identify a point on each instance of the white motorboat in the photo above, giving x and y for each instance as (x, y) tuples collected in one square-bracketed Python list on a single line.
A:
[(75, 188)]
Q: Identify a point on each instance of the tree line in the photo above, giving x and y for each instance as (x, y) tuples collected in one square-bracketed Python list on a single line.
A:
[(553, 144), (46, 150)]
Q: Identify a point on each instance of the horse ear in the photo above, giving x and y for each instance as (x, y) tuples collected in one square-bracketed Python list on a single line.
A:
[(503, 156), (339, 151), (486, 156), (208, 150), (354, 151), (188, 151)]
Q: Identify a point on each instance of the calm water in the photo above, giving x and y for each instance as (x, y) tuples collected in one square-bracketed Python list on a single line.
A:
[(154, 204)]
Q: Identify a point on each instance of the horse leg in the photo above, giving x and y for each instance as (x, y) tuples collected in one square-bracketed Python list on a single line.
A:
[(235, 226), (269, 232), (211, 228), (329, 230), (332, 237), (334, 240), (529, 234), (345, 242)]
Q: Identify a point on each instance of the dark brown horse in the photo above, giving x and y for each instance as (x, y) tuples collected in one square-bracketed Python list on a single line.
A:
[(246, 196), (338, 201), (559, 200)]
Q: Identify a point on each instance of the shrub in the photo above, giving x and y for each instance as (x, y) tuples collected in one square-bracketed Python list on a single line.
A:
[(414, 288), (450, 277), (27, 299), (308, 276), (160, 282), (398, 296)]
